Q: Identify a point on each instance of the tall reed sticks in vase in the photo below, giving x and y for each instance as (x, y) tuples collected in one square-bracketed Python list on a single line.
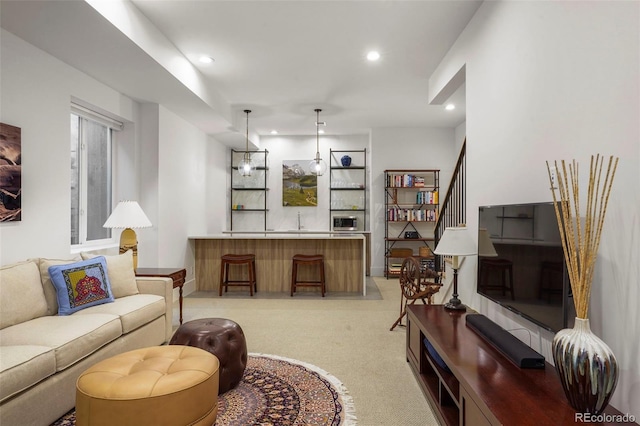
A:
[(586, 366), (580, 243)]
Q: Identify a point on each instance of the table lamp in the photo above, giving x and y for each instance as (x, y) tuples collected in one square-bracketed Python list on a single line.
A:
[(455, 242), (128, 215)]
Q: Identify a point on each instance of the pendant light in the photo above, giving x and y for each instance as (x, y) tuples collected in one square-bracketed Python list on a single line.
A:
[(317, 166), (246, 165)]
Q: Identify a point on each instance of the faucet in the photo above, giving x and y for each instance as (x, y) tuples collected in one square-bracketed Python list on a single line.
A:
[(299, 225)]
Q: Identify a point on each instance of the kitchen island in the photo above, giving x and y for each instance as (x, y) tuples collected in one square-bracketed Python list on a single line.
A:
[(344, 258)]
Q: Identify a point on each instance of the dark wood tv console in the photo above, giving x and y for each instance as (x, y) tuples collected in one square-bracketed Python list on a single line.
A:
[(483, 387)]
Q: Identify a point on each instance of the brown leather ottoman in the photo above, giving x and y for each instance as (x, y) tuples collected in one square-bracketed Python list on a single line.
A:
[(161, 385), (221, 337)]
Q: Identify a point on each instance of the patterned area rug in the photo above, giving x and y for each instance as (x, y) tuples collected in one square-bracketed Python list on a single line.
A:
[(279, 391)]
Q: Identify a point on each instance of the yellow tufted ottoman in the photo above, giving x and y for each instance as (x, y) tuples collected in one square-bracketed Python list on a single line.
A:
[(163, 385)]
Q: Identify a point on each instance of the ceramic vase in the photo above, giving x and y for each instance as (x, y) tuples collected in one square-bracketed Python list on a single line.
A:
[(587, 367), (345, 160)]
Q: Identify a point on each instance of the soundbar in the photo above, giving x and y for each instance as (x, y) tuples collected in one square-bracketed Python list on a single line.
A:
[(513, 348)]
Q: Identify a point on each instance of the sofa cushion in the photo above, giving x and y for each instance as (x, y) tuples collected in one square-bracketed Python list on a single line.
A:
[(121, 273), (23, 366), (81, 285), (134, 311), (21, 294), (73, 337), (47, 285)]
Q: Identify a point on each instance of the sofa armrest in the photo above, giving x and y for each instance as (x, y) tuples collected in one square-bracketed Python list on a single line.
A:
[(160, 286)]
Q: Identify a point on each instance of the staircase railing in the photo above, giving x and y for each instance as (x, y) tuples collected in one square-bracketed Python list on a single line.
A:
[(453, 209)]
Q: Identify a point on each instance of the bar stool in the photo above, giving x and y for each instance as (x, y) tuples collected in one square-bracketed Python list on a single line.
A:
[(238, 259), (499, 266), (303, 259)]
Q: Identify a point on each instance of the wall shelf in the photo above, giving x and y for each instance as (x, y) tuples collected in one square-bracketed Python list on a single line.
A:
[(250, 192), (348, 186), (410, 239), (347, 167)]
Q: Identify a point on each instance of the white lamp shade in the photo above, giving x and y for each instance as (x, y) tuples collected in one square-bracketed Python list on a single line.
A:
[(127, 214), (455, 241), (485, 246)]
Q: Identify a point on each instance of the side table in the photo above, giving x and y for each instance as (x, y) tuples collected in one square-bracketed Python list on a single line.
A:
[(176, 274)]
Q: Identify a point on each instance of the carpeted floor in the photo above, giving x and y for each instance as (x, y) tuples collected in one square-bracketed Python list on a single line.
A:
[(347, 335), (278, 391)]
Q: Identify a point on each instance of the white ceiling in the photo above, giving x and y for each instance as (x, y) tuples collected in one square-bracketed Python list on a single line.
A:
[(281, 59)]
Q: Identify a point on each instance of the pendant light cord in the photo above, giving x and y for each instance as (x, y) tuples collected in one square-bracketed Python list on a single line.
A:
[(246, 152), (318, 134), (317, 166)]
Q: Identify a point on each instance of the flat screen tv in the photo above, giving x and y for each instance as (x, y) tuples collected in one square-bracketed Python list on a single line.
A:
[(528, 276)]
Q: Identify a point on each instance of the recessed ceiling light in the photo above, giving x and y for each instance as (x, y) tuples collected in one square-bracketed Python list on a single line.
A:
[(450, 107), (274, 132), (373, 55), (205, 59)]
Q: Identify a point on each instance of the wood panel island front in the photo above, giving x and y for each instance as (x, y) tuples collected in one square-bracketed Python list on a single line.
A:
[(344, 258)]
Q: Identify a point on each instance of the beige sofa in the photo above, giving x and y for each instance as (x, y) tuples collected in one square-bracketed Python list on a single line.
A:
[(42, 354)]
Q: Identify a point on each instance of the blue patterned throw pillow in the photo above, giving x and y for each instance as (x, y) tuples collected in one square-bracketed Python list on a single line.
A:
[(81, 284)]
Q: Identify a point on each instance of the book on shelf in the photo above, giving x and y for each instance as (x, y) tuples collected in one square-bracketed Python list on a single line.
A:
[(427, 264), (395, 266), (404, 181), (396, 214), (427, 197)]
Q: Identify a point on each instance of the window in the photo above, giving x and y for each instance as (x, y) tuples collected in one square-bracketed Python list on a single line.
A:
[(91, 175)]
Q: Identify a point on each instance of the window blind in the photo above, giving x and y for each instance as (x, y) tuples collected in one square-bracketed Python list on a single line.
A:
[(96, 116)]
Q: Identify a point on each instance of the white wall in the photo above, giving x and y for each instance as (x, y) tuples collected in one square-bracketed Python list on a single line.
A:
[(218, 158), (181, 190), (148, 137), (164, 162), (303, 148), (176, 168), (547, 81), (405, 148), (460, 136), (36, 96)]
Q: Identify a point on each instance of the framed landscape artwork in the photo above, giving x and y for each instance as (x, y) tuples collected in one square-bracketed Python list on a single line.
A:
[(10, 173), (299, 187)]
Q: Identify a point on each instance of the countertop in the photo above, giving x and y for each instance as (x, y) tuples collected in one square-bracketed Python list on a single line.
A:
[(283, 235)]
